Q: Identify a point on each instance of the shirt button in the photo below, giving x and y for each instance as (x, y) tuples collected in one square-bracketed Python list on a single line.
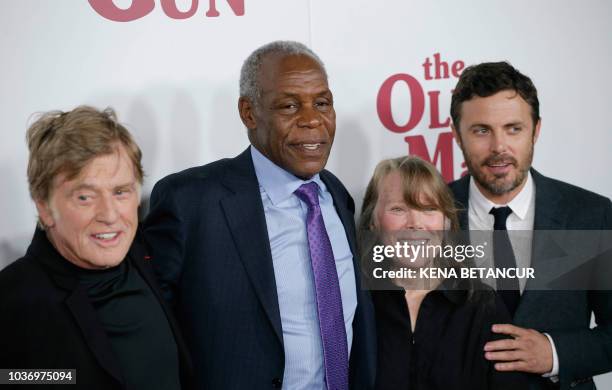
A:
[(277, 383)]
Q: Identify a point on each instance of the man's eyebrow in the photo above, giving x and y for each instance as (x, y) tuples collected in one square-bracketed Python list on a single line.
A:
[(509, 124), (480, 125), (283, 94), (84, 186), (514, 123), (131, 184)]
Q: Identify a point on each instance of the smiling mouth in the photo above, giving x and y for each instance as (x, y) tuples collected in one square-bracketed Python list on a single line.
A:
[(106, 238), (314, 148), (415, 243), (311, 146)]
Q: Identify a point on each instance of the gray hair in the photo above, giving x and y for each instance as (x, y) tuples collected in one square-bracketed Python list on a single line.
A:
[(249, 84)]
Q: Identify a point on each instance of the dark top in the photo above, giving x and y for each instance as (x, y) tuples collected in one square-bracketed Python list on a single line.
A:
[(446, 350), (584, 350), (56, 315), (131, 318)]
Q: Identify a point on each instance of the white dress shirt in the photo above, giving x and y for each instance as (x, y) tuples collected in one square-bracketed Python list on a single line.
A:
[(521, 223)]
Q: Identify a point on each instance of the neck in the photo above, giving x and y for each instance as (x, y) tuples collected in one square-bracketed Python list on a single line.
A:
[(414, 298), (416, 287)]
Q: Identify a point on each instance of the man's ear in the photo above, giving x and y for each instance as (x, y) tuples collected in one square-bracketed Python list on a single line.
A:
[(246, 109), (44, 213), (456, 135), (536, 131)]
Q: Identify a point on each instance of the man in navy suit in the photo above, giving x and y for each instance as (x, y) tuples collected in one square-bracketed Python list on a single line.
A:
[(496, 122), (237, 245)]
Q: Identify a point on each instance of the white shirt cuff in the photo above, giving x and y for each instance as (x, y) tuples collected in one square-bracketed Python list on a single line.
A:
[(553, 375)]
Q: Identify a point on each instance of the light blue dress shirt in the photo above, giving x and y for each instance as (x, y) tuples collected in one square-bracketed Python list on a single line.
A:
[(286, 223)]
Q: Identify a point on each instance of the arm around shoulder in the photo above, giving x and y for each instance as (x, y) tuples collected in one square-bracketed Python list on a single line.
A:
[(165, 234)]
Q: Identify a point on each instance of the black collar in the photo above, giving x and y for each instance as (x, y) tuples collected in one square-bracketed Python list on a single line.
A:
[(61, 271)]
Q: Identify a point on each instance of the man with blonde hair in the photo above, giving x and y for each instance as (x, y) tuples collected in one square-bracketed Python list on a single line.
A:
[(83, 297)]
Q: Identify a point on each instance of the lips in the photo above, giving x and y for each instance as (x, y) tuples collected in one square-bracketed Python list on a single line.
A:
[(310, 148), (108, 238), (499, 166), (414, 243), (413, 237)]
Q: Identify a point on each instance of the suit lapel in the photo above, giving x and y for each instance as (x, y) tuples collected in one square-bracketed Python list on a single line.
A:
[(549, 213), (343, 210), (548, 257), (245, 217)]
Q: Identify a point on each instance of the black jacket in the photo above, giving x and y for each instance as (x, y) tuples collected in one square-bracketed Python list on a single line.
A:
[(565, 315), (48, 322)]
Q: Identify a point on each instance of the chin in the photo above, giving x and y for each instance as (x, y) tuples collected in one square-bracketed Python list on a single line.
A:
[(108, 260)]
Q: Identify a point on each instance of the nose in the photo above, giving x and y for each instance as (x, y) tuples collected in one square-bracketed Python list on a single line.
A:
[(309, 117), (499, 141), (414, 220), (107, 212)]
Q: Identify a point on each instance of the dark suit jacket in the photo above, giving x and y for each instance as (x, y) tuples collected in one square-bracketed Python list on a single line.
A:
[(211, 250), (564, 315), (47, 321)]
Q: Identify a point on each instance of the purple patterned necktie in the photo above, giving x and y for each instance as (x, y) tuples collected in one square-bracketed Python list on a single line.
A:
[(327, 289)]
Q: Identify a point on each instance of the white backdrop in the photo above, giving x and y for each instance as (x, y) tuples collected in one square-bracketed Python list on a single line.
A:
[(175, 82)]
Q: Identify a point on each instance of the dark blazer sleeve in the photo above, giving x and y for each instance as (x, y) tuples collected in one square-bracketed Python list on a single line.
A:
[(584, 353), (165, 234)]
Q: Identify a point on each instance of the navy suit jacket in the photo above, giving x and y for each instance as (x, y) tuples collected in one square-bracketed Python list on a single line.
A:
[(564, 315), (210, 247)]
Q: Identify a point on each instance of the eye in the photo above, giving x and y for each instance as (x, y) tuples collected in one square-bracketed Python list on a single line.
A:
[(480, 130), (84, 198), (516, 129), (323, 105), (288, 108), (123, 192)]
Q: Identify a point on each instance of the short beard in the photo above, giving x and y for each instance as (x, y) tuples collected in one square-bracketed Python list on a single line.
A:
[(499, 187)]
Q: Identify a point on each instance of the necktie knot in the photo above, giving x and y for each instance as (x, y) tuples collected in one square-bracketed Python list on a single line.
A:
[(501, 216), (309, 193)]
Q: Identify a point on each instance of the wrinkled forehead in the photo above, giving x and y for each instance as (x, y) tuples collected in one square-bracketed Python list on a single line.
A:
[(103, 171), (276, 65)]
